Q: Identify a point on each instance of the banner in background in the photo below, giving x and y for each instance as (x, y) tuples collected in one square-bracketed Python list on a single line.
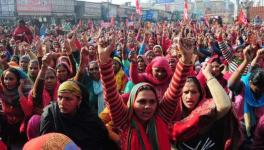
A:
[(33, 5), (164, 1), (148, 15)]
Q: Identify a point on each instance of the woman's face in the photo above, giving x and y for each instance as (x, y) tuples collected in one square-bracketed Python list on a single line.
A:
[(94, 71), (145, 105), (131, 33), (130, 44), (10, 80), (68, 103), (150, 56), (116, 66), (216, 70), (62, 73), (157, 51), (33, 69), (159, 73), (91, 50), (56, 45), (12, 42), (190, 95), (141, 64), (50, 80), (172, 63), (24, 65), (3, 58), (239, 54), (257, 91)]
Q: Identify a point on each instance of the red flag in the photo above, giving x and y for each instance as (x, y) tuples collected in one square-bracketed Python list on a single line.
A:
[(185, 10), (138, 8), (132, 17), (242, 17), (206, 21), (113, 21)]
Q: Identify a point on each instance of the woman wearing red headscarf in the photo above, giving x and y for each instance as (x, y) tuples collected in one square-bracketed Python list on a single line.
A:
[(158, 73), (143, 121), (217, 68), (201, 123)]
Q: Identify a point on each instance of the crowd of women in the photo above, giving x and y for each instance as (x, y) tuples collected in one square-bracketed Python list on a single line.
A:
[(171, 85)]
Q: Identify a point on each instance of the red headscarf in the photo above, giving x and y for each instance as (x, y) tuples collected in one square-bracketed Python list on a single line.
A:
[(159, 62), (202, 117)]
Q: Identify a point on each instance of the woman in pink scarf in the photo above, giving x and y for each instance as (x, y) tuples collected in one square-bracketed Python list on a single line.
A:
[(143, 122), (158, 73), (201, 123)]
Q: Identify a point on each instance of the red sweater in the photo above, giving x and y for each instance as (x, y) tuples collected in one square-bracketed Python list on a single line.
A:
[(165, 43), (119, 110), (23, 34)]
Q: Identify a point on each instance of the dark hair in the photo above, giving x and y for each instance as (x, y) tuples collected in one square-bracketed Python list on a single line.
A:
[(15, 58), (147, 87), (21, 21), (257, 77), (217, 60), (197, 83), (14, 71), (63, 65), (85, 93), (34, 61)]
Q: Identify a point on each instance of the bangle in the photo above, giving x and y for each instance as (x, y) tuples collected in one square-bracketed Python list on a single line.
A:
[(210, 79)]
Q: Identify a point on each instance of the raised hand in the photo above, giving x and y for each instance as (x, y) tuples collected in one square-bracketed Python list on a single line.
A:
[(20, 87), (146, 37), (105, 48), (206, 70), (247, 53), (99, 33), (38, 46), (122, 43), (186, 44), (84, 56), (260, 53), (84, 37), (133, 57), (46, 59)]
